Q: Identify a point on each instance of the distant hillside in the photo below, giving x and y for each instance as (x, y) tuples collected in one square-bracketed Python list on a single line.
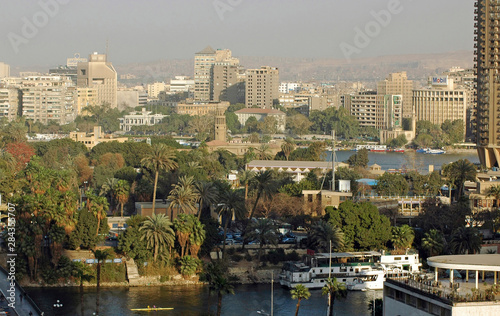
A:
[(418, 66)]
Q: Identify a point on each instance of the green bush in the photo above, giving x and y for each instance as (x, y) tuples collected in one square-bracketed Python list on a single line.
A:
[(188, 266), (292, 256), (112, 272), (236, 257), (248, 257), (275, 256)]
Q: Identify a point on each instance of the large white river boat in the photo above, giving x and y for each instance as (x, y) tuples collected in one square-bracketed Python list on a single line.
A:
[(358, 270)]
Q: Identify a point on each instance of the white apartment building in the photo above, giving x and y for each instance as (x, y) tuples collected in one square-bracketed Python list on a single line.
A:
[(9, 103), (289, 87), (260, 114), (181, 84), (143, 118)]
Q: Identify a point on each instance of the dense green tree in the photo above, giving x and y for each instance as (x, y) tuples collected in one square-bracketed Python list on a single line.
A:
[(287, 147), (454, 130), (296, 188), (443, 217), (197, 237), (363, 227), (397, 142), (392, 184), (245, 177), (423, 140), (298, 124), (264, 185), (130, 242), (232, 122), (340, 120), (160, 158), (494, 191), (132, 152), (359, 159), (334, 290), (251, 125), (122, 193), (183, 226), (300, 292), (206, 195)]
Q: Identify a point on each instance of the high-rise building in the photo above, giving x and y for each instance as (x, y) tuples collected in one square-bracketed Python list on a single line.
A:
[(383, 112), (10, 103), (4, 70), (203, 63), (155, 88), (85, 97), (48, 98), (100, 74), (398, 84), (440, 101), (262, 87), (227, 83), (487, 65)]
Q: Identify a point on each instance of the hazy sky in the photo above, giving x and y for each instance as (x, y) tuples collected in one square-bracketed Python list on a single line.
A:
[(141, 31)]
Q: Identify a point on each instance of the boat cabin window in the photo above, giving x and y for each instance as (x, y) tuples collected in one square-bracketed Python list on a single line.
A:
[(397, 258), (406, 258)]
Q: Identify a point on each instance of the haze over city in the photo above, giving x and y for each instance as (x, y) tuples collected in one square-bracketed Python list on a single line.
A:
[(155, 30)]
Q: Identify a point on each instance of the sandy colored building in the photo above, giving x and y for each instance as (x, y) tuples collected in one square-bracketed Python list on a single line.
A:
[(92, 139), (262, 87), (4, 70), (200, 108), (99, 73), (398, 84), (10, 103)]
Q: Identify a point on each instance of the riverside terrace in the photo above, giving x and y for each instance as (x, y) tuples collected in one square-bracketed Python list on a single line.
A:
[(431, 295)]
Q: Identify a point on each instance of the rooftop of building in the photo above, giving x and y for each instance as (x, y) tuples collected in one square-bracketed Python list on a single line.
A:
[(207, 50), (480, 262), (258, 111), (291, 164)]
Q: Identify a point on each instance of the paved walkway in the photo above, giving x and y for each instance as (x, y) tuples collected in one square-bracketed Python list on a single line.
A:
[(22, 308)]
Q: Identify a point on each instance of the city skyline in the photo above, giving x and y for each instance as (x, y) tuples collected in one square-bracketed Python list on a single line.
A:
[(45, 33)]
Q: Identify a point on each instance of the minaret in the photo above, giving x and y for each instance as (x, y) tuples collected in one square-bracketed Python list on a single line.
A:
[(220, 124)]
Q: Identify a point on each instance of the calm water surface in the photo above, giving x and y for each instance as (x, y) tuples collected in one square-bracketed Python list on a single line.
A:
[(248, 300)]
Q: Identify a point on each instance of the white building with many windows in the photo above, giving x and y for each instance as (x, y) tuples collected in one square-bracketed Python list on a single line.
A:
[(143, 118)]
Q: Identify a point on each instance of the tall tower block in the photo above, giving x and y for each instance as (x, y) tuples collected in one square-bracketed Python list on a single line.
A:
[(487, 66)]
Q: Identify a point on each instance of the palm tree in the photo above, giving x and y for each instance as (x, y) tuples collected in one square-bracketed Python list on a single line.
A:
[(98, 206), (82, 272), (287, 147), (161, 157), (264, 231), (100, 256), (300, 292), (321, 233), (183, 226), (206, 195), (183, 199), (402, 237), (465, 240), (215, 274), (158, 233), (334, 290), (196, 238), (264, 184), (231, 205), (495, 192), (458, 172), (121, 192), (433, 242), (245, 177), (263, 152), (108, 189)]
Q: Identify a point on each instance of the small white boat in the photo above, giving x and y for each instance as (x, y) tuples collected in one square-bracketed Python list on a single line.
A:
[(369, 280)]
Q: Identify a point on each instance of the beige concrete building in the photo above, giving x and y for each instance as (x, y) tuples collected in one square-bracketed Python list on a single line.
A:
[(487, 66), (305, 103), (131, 98), (200, 108), (260, 114), (85, 97), (440, 102), (4, 70), (203, 63), (367, 108), (48, 98), (10, 103), (92, 139), (142, 118), (155, 88), (99, 74), (220, 128), (398, 84), (227, 83), (262, 87)]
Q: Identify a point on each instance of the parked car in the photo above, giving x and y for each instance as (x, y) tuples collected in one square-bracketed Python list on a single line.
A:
[(289, 240)]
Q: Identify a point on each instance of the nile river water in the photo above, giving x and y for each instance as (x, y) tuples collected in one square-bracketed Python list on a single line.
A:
[(408, 160), (195, 300)]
